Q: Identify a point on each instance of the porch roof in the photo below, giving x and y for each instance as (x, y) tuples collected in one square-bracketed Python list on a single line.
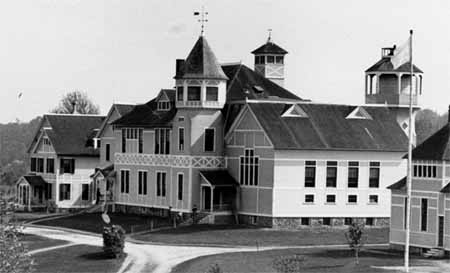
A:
[(35, 180), (446, 189), (399, 185), (219, 178)]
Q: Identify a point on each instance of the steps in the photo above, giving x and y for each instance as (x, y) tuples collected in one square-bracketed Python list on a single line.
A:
[(434, 253)]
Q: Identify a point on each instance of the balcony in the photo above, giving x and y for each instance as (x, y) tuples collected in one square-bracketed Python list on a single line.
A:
[(391, 99), (199, 104), (182, 161)]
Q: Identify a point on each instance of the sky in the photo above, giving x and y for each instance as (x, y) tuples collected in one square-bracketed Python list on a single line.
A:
[(125, 51)]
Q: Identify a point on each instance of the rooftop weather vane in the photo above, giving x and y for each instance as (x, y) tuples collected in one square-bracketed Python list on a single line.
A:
[(269, 39), (203, 19)]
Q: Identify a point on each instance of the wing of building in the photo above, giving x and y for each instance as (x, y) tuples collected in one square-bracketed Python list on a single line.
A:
[(233, 143)]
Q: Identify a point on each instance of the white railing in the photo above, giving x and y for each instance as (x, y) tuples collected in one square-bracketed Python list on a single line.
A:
[(203, 104), (182, 161)]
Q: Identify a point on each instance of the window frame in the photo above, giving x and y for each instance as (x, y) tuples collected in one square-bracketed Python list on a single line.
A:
[(161, 143), (180, 88), (47, 165), (310, 181), (424, 214), (330, 202), (125, 183), (249, 168), (331, 182), (213, 129), (353, 182), (349, 202), (190, 88), (207, 93), (108, 152), (67, 194), (161, 183), (181, 139), (376, 199), (180, 186), (85, 193), (142, 177), (374, 182), (307, 199)]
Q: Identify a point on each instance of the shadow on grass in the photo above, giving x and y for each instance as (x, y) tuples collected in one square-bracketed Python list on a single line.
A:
[(202, 228), (96, 256)]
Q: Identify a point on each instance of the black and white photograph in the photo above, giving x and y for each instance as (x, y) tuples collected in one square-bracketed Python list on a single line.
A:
[(215, 136)]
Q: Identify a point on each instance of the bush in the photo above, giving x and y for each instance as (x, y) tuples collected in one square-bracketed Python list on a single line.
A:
[(113, 241), (356, 238), (215, 269), (51, 206), (289, 264)]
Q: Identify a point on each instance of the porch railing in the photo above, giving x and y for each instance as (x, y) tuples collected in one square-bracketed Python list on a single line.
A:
[(222, 207)]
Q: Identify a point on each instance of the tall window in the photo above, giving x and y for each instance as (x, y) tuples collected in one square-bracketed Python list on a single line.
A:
[(181, 139), (125, 181), (249, 168), (427, 171), (353, 174), (132, 140), (374, 175), (84, 192), (310, 174), (33, 164), (108, 152), (161, 184), (209, 139), (50, 168), (142, 182), (40, 165), (180, 186), (193, 93), (48, 192), (423, 214), (180, 93), (162, 141), (405, 212), (67, 165), (64, 192), (331, 174), (212, 93)]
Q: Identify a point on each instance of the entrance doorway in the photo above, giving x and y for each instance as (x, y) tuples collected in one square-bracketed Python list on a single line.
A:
[(207, 198), (441, 231)]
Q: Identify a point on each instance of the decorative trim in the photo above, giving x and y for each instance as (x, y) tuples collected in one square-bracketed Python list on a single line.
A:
[(180, 161)]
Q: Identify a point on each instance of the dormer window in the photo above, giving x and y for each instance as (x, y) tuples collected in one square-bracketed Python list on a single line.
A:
[(193, 93), (295, 111), (270, 59), (46, 141), (359, 113), (260, 59), (279, 59), (163, 105)]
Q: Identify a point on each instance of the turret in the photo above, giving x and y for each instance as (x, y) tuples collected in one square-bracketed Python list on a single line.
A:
[(269, 61)]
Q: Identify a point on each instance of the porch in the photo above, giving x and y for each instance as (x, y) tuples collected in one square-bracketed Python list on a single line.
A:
[(33, 192), (218, 192), (102, 185)]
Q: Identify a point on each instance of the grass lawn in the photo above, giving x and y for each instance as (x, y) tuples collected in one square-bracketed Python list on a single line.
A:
[(78, 258), (93, 222), (33, 242), (316, 261), (249, 236)]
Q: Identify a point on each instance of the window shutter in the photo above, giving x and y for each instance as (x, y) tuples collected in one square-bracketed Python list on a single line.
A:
[(72, 165), (61, 166)]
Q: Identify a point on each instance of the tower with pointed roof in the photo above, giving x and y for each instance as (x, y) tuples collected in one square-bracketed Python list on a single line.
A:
[(269, 61), (389, 86), (200, 81)]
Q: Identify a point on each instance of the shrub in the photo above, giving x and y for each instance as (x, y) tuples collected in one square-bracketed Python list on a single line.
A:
[(113, 241), (289, 264), (51, 206), (215, 268), (355, 238)]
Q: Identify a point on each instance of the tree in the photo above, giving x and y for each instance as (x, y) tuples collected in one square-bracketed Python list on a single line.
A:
[(13, 253), (355, 238), (76, 102)]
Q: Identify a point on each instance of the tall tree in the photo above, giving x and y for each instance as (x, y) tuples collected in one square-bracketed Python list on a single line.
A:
[(427, 123), (76, 102)]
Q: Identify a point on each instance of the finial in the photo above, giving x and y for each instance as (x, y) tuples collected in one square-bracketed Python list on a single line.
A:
[(203, 19), (269, 39)]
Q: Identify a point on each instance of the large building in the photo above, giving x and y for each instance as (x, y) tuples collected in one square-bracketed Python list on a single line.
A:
[(430, 196), (233, 144)]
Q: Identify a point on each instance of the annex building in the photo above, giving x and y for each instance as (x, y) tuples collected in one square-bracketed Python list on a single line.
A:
[(233, 144)]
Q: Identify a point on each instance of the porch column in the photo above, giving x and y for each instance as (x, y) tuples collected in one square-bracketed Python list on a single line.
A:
[(212, 198), (399, 81), (201, 198), (29, 198)]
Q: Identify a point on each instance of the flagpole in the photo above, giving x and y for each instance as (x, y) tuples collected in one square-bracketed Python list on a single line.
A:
[(409, 165)]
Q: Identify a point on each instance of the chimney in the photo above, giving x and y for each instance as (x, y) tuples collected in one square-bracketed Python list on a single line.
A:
[(179, 70)]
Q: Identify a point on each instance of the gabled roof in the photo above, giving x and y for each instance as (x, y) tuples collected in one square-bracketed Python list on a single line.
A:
[(121, 110), (436, 147), (219, 178), (107, 171), (446, 189), (35, 180), (385, 65), (327, 128), (168, 94), (70, 135), (399, 185), (268, 48), (202, 63), (146, 115), (246, 83)]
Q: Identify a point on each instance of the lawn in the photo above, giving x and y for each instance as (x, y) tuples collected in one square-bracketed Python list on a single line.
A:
[(78, 258), (93, 222), (250, 236), (315, 261), (33, 242)]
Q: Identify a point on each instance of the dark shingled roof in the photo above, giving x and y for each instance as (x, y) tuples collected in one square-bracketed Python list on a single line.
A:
[(385, 65), (107, 171), (399, 185), (219, 178), (71, 134), (35, 180), (202, 63), (327, 128), (244, 83), (436, 147), (446, 189), (268, 48), (147, 115), (123, 109)]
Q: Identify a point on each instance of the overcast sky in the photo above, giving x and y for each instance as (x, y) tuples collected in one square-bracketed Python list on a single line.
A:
[(125, 51)]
